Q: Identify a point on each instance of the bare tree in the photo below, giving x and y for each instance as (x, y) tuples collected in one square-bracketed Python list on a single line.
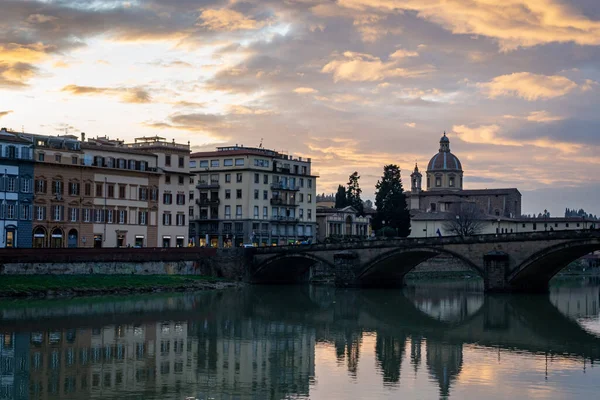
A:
[(466, 221)]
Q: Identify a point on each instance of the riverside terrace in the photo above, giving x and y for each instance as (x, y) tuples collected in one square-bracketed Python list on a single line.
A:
[(507, 262)]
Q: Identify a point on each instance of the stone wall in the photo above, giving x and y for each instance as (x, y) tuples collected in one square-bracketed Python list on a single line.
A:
[(442, 263)]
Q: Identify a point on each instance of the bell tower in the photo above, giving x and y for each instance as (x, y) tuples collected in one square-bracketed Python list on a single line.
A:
[(415, 188)]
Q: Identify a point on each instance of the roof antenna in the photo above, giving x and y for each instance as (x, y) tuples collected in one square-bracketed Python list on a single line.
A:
[(260, 145)]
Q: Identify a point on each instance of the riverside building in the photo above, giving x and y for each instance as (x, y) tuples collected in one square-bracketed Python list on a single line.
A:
[(246, 195)]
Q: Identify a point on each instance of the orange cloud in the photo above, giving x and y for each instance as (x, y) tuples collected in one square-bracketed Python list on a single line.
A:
[(4, 113), (360, 67), (136, 95), (304, 90), (543, 116), (528, 86), (226, 20), (514, 23)]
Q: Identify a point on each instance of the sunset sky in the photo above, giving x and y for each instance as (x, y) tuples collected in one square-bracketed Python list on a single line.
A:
[(354, 84)]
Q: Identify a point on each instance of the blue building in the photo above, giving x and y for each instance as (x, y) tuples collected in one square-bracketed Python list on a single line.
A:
[(16, 189)]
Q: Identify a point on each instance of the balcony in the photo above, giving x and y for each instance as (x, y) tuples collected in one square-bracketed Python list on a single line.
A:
[(204, 218), (282, 218), (275, 201), (281, 186), (207, 185), (207, 202)]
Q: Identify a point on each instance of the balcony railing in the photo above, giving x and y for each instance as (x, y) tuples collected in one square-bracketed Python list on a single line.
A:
[(282, 218), (207, 185), (207, 202), (204, 217), (282, 202), (282, 186)]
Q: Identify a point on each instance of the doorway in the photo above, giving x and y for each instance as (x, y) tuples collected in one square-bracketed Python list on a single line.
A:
[(72, 238), (56, 239)]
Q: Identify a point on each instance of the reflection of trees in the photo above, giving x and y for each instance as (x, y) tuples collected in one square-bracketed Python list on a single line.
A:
[(389, 351), (444, 362), (415, 351)]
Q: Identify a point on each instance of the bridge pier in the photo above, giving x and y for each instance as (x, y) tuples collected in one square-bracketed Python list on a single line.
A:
[(495, 271), (346, 263)]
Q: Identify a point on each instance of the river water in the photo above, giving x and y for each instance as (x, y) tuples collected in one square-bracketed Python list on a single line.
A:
[(429, 341)]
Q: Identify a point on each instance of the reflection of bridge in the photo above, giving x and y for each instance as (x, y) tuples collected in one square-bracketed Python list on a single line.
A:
[(508, 262), (338, 316)]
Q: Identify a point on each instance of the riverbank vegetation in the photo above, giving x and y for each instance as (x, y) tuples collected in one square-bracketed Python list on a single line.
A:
[(78, 285)]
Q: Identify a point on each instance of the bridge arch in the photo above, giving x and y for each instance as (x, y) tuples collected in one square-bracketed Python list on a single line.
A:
[(536, 271), (389, 268), (287, 268)]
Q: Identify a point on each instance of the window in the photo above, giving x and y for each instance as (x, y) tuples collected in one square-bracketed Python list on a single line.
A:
[(192, 163), (122, 216), (265, 194), (143, 217), (256, 178), (227, 193), (98, 215), (261, 163), (142, 193), (309, 183), (191, 211), (228, 162), (309, 198), (214, 163), (227, 212), (40, 213), (301, 214), (438, 181), (238, 193), (204, 164), (301, 198), (309, 214), (87, 215), (99, 190), (10, 211), (154, 194), (239, 162), (111, 190), (227, 178), (123, 191), (57, 158), (57, 213), (74, 160), (167, 198), (25, 212), (57, 187), (11, 184), (265, 212), (41, 156), (167, 218), (256, 194), (238, 211), (74, 188), (181, 179), (266, 179), (25, 185), (40, 186), (109, 216), (181, 162), (180, 219), (238, 177), (167, 179), (451, 181), (191, 195), (255, 211), (168, 160), (88, 189), (74, 214), (180, 199)]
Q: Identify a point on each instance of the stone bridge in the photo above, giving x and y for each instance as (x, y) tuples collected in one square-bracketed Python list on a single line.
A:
[(522, 262)]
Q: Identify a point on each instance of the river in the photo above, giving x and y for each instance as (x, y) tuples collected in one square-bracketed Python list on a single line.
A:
[(428, 341)]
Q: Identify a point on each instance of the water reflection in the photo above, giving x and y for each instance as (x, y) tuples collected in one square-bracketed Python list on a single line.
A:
[(276, 343)]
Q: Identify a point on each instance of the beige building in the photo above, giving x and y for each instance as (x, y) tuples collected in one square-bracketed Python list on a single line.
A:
[(251, 195), (341, 222)]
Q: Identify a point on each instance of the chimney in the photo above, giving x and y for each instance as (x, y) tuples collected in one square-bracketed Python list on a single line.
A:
[(83, 136)]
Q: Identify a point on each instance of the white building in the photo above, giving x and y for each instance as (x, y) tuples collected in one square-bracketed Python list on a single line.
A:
[(251, 195)]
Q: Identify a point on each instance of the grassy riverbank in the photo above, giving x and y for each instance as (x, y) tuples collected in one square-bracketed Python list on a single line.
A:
[(82, 285)]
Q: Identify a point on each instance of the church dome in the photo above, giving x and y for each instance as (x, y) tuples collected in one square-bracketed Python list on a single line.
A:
[(444, 160)]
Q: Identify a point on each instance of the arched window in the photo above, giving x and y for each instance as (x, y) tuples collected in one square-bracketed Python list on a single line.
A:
[(56, 239), (39, 237)]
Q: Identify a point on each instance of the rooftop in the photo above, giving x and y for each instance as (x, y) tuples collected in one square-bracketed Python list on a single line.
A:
[(241, 150)]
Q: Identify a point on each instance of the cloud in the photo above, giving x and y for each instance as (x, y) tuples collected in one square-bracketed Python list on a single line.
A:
[(189, 104), (488, 134), (528, 86), (304, 90), (543, 116), (410, 124), (513, 23), (5, 113), (135, 95), (212, 125), (361, 67), (16, 75), (228, 20)]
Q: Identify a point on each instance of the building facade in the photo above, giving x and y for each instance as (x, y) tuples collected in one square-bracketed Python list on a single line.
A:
[(445, 193), (16, 190), (341, 222), (251, 195)]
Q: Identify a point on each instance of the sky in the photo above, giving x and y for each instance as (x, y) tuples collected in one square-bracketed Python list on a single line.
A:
[(353, 84)]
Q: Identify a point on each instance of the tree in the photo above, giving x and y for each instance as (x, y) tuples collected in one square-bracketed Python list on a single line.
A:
[(391, 202), (340, 197), (353, 193), (466, 221), (368, 205)]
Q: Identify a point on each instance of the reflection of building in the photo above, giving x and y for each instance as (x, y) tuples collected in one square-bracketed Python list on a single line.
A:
[(390, 351), (341, 222), (444, 362), (245, 195), (14, 366), (16, 190)]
